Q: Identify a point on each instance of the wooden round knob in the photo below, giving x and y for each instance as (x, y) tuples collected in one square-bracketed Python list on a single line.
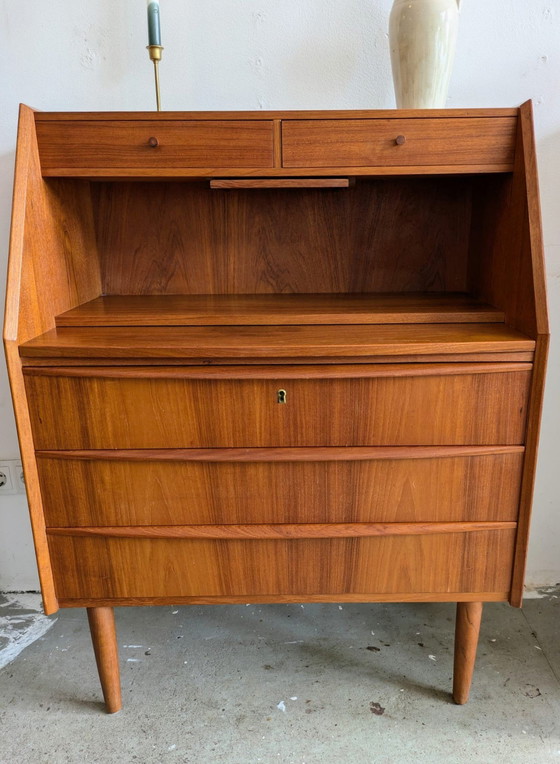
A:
[(400, 139), (154, 143)]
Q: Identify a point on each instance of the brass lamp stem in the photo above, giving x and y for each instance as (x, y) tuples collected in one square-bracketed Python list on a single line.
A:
[(155, 52)]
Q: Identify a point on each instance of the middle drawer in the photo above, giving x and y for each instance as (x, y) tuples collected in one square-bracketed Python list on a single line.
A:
[(248, 407), (238, 486)]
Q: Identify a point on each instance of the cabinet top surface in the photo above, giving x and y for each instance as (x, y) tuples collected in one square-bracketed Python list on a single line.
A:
[(284, 114)]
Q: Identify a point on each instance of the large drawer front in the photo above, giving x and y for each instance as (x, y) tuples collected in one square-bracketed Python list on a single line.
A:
[(373, 142), (237, 487), (97, 409), (154, 145), (96, 567)]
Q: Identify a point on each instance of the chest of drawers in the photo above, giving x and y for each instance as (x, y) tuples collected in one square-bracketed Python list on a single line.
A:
[(277, 357)]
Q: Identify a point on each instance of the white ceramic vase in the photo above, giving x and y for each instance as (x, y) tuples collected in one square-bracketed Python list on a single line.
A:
[(422, 35)]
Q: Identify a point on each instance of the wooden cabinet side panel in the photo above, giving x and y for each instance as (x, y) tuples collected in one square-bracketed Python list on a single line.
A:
[(529, 470), (507, 263), (534, 233), (53, 263), (32, 488), (500, 262), (26, 162), (508, 270), (52, 266), (534, 223)]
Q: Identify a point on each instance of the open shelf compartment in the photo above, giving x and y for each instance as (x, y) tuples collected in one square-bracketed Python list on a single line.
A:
[(278, 309)]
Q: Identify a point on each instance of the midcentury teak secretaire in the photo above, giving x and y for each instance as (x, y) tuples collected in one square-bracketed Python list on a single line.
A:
[(277, 357)]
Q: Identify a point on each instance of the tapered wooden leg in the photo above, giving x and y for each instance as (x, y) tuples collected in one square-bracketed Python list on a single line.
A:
[(104, 638), (467, 627)]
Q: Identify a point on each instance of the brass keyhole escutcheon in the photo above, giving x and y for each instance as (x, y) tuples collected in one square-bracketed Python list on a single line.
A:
[(281, 396)]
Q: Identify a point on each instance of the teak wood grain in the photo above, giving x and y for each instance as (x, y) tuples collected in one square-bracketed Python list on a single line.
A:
[(356, 597), (104, 639), (52, 267), (298, 454), (467, 627), (172, 412), (171, 173), (500, 271), (389, 235), (110, 144), (277, 130), (535, 253), (281, 183), (256, 309), (150, 116), (291, 371), (433, 563), (276, 531), (82, 157), (535, 256), (528, 480), (319, 341), (172, 488), (223, 364), (507, 261), (362, 142)]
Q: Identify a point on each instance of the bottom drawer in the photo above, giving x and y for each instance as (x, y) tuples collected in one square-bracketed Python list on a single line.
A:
[(109, 567)]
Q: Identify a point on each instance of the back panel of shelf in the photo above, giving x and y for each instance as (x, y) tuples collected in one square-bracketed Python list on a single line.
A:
[(405, 234)]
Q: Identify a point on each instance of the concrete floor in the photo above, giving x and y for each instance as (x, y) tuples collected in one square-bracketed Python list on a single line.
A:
[(309, 684)]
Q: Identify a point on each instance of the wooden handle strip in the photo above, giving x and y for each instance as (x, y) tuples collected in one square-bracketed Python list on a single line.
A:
[(301, 454), (281, 530), (280, 183)]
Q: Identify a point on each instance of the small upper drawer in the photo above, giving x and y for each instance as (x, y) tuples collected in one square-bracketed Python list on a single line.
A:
[(360, 405), (398, 142), (154, 145)]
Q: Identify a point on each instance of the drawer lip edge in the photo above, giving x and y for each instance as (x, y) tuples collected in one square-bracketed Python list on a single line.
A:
[(263, 599), (276, 454), (281, 531), (263, 371)]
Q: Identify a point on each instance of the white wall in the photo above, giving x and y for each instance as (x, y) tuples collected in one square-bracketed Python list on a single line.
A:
[(251, 54)]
